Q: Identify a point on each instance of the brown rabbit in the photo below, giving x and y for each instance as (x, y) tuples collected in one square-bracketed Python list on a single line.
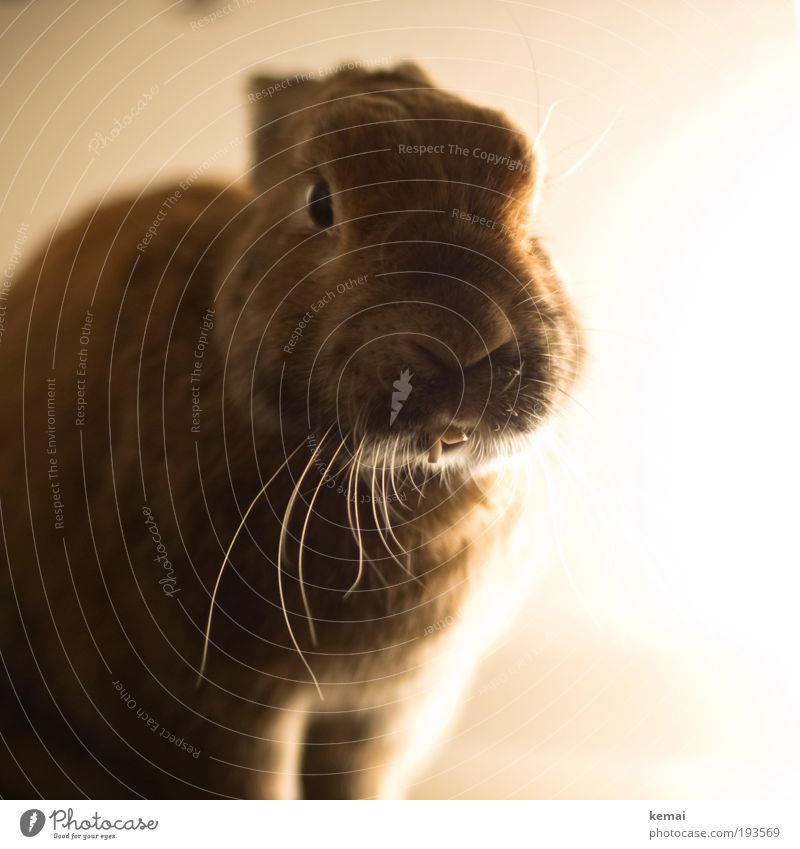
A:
[(265, 450)]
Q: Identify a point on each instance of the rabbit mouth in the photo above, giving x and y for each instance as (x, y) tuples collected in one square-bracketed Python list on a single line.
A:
[(407, 398), (450, 441), (434, 443), (405, 417)]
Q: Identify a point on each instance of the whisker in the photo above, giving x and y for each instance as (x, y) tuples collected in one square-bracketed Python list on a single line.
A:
[(392, 472), (356, 460), (350, 496), (592, 148), (281, 546), (207, 634), (310, 510), (388, 524)]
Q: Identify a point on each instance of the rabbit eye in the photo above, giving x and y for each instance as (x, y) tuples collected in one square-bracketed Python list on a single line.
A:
[(319, 203)]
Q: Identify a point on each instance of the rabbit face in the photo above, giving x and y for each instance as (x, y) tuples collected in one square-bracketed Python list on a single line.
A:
[(387, 286)]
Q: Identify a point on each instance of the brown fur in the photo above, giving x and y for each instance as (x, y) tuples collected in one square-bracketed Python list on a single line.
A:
[(87, 629)]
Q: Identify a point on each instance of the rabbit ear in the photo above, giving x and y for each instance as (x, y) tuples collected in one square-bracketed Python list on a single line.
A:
[(410, 72), (279, 103), (273, 101)]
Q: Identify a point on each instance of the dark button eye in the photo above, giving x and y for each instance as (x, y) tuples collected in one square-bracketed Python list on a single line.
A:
[(319, 203)]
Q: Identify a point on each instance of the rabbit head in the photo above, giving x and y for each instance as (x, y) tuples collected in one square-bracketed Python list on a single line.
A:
[(386, 285)]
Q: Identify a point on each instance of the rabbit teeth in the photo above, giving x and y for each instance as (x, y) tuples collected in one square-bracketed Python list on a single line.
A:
[(452, 436), (436, 452)]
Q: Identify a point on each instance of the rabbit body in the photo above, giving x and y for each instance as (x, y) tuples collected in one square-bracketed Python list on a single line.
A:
[(227, 570)]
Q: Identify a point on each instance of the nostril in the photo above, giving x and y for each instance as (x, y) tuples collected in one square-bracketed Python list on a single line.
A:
[(436, 354), (501, 352), (467, 353)]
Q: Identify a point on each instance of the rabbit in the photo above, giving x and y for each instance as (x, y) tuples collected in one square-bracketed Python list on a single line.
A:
[(267, 481)]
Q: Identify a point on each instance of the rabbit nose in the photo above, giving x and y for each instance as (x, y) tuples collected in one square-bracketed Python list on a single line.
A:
[(436, 355), (468, 353), (458, 385)]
